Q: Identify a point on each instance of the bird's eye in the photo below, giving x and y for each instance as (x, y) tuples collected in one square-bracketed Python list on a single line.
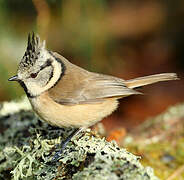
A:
[(33, 75)]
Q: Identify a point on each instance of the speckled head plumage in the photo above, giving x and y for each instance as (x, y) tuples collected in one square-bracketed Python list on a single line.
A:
[(38, 70), (33, 52)]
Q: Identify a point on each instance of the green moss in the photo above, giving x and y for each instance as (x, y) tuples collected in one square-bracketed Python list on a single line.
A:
[(28, 145)]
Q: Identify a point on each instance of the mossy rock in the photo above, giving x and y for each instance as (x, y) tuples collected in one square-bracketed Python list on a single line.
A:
[(27, 146)]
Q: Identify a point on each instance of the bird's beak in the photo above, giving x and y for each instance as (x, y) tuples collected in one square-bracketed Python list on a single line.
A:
[(14, 78)]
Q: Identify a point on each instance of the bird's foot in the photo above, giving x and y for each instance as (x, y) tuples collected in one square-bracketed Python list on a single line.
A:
[(63, 145), (57, 156)]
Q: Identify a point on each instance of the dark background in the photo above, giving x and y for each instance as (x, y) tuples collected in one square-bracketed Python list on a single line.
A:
[(124, 38)]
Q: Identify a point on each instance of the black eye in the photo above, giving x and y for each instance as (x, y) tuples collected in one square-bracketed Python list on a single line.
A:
[(33, 75)]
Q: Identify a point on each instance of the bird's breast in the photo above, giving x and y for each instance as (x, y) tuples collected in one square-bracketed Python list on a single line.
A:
[(80, 115)]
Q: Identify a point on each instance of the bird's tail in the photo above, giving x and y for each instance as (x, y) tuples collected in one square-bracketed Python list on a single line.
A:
[(142, 81)]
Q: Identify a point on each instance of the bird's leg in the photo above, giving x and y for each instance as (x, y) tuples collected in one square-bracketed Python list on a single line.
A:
[(64, 143)]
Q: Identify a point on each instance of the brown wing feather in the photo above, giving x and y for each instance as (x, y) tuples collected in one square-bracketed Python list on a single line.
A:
[(79, 86)]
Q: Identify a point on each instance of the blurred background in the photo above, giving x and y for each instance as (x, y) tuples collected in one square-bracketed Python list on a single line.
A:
[(124, 38)]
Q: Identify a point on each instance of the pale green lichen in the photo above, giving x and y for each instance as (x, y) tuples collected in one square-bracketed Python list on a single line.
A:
[(15, 106), (27, 146)]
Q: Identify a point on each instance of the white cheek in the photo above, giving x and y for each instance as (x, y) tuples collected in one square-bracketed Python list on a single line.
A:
[(57, 70), (35, 88), (44, 76)]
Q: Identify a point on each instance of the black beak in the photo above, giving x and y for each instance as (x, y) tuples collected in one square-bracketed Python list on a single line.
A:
[(14, 78)]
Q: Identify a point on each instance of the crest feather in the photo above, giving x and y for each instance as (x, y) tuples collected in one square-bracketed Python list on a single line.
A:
[(34, 46)]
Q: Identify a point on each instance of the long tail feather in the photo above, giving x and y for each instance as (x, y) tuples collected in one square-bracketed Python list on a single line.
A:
[(142, 81)]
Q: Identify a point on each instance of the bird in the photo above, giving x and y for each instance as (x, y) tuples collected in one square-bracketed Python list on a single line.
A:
[(66, 95)]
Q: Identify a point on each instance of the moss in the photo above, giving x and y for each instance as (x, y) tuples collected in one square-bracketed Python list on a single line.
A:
[(27, 146), (160, 140)]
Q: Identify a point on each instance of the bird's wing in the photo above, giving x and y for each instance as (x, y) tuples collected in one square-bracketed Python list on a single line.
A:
[(92, 89)]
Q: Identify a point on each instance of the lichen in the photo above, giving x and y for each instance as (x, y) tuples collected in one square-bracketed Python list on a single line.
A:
[(27, 146)]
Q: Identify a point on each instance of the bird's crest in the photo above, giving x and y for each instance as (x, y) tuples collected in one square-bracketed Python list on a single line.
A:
[(34, 46)]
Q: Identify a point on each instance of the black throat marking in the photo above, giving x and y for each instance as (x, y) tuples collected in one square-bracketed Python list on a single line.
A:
[(29, 95)]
